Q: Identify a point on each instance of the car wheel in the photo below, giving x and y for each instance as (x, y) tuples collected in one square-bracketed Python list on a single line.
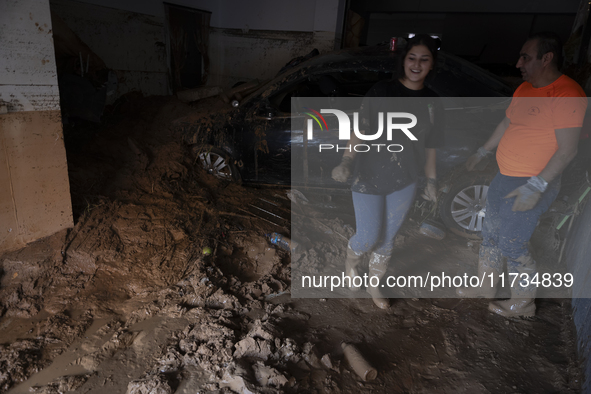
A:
[(216, 162), (463, 207)]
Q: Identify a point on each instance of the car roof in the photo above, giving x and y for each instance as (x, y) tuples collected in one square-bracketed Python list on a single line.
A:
[(380, 57)]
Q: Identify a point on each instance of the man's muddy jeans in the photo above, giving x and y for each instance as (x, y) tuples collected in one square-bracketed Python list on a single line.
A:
[(378, 219), (507, 233)]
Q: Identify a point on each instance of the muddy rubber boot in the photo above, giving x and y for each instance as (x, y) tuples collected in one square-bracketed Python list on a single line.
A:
[(489, 262), (514, 307), (522, 301), (377, 267), (353, 259)]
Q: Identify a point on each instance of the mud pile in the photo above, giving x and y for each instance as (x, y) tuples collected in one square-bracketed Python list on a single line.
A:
[(145, 213)]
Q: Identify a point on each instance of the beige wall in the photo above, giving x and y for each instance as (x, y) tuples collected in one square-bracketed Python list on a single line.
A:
[(34, 188)]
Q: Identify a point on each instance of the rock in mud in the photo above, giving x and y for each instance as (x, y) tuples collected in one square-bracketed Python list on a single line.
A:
[(171, 361), (268, 376), (238, 379), (311, 356), (207, 345), (150, 385), (18, 361), (288, 351), (251, 347), (264, 331), (326, 360), (63, 384)]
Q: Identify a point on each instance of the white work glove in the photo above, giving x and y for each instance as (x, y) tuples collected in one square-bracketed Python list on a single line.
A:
[(342, 172), (529, 194), (473, 160), (430, 192)]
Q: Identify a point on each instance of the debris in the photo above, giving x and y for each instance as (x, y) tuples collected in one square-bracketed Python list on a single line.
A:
[(198, 93), (251, 347), (268, 376), (328, 363), (149, 385), (431, 230), (280, 240), (358, 362)]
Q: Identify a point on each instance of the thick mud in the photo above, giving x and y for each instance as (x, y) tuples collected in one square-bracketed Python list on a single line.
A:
[(167, 284)]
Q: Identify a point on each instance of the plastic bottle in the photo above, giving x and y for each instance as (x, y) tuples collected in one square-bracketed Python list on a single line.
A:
[(280, 240)]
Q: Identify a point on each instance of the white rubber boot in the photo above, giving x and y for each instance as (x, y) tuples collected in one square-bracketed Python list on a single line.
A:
[(353, 259), (522, 301), (514, 307), (377, 267), (489, 262)]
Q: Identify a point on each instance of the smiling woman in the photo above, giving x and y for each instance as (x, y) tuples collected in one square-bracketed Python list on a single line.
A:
[(385, 182), (418, 63)]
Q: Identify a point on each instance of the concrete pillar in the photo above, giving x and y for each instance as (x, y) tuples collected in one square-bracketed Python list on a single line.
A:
[(34, 188)]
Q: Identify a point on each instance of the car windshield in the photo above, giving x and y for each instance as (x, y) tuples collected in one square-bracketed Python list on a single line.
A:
[(350, 73)]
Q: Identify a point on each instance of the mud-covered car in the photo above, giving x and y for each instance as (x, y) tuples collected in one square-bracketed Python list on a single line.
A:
[(254, 143)]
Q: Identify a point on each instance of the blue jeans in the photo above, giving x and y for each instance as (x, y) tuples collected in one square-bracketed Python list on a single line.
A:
[(507, 233), (378, 218)]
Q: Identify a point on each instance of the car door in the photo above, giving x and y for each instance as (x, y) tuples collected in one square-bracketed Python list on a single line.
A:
[(279, 149), (314, 156), (269, 142), (278, 145)]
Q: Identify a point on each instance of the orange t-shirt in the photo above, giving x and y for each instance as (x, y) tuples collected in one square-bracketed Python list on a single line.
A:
[(535, 113)]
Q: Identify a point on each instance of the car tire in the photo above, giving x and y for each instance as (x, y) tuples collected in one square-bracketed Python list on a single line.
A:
[(216, 162), (463, 208)]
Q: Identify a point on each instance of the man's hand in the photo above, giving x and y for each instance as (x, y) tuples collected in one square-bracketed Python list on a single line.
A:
[(476, 158), (430, 192), (342, 172), (528, 195)]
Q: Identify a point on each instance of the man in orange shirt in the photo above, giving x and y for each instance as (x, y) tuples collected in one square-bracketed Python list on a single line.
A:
[(536, 140)]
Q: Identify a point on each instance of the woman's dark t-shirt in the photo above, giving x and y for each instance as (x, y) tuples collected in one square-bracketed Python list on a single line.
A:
[(385, 172)]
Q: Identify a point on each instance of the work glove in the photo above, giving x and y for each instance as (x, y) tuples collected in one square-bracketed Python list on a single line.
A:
[(430, 192), (342, 172), (473, 160), (529, 194)]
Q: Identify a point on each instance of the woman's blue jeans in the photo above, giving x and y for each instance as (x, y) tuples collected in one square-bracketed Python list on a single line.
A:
[(378, 219)]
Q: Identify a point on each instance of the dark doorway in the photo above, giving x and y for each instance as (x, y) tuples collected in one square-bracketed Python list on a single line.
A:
[(188, 37)]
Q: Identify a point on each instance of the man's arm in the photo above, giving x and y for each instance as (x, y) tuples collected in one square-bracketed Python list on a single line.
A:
[(489, 145), (431, 174), (431, 160), (529, 194), (567, 140)]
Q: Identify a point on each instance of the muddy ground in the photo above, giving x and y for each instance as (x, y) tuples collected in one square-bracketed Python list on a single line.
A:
[(127, 301)]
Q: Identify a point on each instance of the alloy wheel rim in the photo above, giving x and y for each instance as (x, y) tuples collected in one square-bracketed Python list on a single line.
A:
[(468, 207), (215, 165)]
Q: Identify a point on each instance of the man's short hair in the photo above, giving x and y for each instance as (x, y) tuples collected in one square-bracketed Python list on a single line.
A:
[(549, 42)]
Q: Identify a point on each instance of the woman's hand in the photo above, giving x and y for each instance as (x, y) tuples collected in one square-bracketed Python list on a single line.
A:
[(430, 192), (342, 172)]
